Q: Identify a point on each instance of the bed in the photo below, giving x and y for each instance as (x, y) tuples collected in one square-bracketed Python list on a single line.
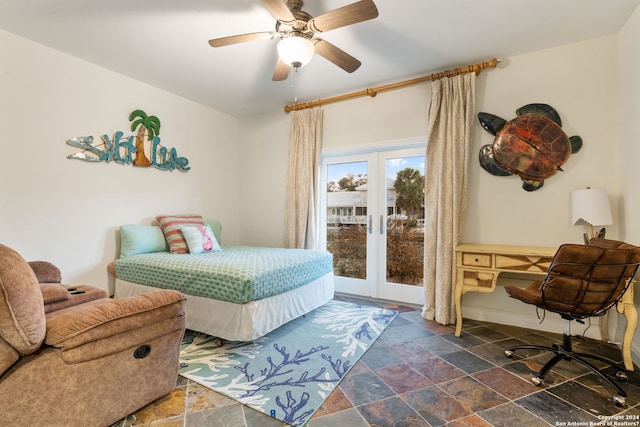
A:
[(237, 293)]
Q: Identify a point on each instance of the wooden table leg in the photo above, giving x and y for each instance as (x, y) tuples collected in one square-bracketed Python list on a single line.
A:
[(458, 305), (604, 327), (631, 314)]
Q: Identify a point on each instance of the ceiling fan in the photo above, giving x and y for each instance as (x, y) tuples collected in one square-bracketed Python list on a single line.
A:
[(296, 30)]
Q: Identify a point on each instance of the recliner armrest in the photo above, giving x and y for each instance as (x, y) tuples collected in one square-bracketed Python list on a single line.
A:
[(99, 319), (53, 292), (46, 272)]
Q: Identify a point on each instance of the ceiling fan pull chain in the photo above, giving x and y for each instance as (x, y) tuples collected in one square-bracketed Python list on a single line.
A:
[(294, 84)]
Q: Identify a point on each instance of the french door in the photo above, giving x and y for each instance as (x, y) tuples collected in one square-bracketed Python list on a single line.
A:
[(372, 221)]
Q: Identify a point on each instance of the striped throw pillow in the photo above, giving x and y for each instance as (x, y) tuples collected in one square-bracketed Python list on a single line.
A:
[(171, 224)]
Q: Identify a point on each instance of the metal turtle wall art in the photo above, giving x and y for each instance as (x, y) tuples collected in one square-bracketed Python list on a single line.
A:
[(532, 145)]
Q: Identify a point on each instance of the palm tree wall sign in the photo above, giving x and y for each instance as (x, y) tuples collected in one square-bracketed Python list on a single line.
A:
[(121, 149), (145, 124)]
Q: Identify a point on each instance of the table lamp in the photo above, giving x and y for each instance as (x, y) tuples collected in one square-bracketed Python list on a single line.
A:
[(591, 207)]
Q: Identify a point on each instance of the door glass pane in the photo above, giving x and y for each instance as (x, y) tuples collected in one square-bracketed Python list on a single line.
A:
[(404, 193), (347, 218)]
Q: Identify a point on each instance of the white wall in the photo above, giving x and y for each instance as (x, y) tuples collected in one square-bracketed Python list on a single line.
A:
[(577, 79), (629, 123), (67, 211), (263, 169), (390, 117)]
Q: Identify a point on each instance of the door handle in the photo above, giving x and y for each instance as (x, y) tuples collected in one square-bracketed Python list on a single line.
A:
[(381, 224), (370, 227)]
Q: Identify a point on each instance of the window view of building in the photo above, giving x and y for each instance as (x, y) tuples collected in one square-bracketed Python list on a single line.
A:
[(348, 219)]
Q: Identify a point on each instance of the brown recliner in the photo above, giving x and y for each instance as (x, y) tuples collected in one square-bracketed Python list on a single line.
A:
[(583, 281), (89, 364)]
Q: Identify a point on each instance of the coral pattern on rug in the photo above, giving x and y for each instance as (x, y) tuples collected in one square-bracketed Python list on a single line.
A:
[(292, 370)]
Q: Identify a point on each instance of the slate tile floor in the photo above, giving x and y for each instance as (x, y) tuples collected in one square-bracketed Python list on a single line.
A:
[(419, 374)]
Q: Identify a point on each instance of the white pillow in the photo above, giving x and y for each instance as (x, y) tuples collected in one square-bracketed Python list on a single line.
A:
[(200, 239)]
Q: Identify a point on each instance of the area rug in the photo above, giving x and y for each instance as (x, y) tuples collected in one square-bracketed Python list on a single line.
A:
[(289, 372)]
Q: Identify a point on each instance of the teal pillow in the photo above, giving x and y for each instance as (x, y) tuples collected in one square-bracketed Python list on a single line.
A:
[(141, 239), (200, 239)]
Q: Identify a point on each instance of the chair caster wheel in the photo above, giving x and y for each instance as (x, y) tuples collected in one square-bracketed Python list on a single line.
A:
[(619, 401), (508, 353), (536, 380), (621, 376)]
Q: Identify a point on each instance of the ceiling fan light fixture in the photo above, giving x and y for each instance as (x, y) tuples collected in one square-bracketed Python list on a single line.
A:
[(296, 51)]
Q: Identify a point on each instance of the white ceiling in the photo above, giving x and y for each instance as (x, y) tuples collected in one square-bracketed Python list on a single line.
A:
[(164, 42)]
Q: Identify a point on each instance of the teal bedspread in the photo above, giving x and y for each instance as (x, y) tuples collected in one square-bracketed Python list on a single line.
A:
[(237, 274)]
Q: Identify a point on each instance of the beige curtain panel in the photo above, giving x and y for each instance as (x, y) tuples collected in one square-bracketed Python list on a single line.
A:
[(305, 141), (451, 112)]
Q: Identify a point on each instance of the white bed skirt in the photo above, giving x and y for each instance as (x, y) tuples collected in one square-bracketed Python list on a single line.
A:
[(245, 322)]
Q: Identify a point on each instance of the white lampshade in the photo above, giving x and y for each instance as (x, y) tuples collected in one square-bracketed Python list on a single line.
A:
[(590, 206), (295, 51)]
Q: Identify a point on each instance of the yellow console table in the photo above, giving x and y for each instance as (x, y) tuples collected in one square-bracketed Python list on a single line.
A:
[(478, 267)]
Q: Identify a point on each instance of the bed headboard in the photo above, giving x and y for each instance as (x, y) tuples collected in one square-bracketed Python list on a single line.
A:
[(216, 227)]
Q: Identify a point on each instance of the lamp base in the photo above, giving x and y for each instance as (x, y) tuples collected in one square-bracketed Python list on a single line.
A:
[(600, 235)]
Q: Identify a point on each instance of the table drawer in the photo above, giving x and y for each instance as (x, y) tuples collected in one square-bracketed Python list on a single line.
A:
[(478, 279), (476, 260), (530, 264)]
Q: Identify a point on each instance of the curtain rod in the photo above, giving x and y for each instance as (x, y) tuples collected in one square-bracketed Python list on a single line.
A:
[(372, 92)]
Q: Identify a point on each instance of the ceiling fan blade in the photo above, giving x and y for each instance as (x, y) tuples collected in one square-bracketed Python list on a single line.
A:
[(279, 10), (336, 55), (347, 15), (281, 72), (225, 41)]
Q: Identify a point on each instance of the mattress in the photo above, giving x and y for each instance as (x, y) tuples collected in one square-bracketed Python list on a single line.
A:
[(237, 274)]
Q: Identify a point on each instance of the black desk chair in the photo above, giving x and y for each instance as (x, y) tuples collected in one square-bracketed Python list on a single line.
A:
[(582, 281)]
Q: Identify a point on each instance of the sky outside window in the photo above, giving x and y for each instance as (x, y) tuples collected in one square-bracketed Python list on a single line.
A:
[(339, 170)]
